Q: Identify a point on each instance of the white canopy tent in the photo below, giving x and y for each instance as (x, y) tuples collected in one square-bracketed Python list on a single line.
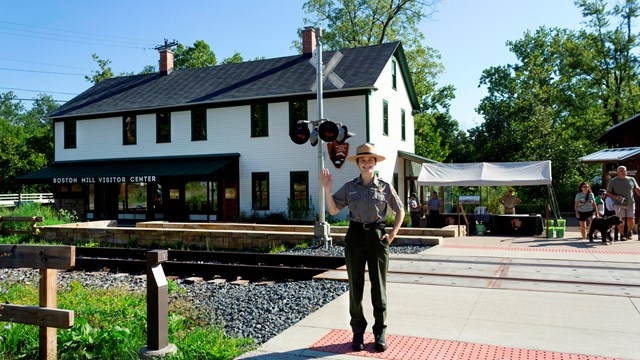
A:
[(486, 174), (489, 174)]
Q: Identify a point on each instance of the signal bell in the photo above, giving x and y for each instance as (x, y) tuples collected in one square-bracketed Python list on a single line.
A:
[(313, 138), (343, 134)]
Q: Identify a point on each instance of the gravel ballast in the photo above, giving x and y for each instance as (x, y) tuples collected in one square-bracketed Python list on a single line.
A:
[(248, 309)]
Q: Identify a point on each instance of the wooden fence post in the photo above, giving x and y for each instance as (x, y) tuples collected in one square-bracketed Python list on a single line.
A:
[(158, 345), (48, 259)]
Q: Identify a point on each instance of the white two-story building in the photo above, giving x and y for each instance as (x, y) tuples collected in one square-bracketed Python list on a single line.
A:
[(210, 144)]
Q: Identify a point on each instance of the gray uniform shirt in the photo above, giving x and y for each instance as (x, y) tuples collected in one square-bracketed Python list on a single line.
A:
[(367, 204), (623, 187)]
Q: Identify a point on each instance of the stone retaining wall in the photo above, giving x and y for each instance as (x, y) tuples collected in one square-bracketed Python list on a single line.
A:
[(194, 236)]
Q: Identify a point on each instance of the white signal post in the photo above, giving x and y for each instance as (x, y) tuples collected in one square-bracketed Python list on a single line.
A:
[(321, 229)]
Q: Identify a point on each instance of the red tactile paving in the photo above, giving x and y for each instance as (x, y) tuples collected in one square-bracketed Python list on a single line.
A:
[(415, 348), (567, 250)]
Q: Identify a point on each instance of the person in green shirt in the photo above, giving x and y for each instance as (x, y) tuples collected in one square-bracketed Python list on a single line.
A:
[(622, 189), (366, 244)]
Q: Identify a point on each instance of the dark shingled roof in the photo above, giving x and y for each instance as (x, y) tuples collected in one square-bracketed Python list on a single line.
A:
[(285, 76)]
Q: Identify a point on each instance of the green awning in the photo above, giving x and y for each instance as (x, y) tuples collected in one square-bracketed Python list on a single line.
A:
[(130, 170), (414, 163)]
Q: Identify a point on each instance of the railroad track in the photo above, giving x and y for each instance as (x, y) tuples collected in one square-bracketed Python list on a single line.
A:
[(209, 264), (580, 277)]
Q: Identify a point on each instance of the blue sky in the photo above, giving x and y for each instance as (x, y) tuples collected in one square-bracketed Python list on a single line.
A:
[(47, 45)]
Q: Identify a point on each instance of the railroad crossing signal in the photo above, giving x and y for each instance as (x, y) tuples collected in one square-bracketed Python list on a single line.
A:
[(324, 129), (327, 71)]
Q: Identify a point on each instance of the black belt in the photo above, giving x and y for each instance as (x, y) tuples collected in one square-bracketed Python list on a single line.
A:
[(370, 226)]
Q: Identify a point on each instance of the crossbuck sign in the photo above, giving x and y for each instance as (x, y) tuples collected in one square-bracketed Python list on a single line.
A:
[(327, 71)]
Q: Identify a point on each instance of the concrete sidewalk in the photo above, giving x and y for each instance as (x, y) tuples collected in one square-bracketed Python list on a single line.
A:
[(457, 322)]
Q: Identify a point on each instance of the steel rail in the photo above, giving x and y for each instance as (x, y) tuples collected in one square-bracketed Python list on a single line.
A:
[(209, 264)]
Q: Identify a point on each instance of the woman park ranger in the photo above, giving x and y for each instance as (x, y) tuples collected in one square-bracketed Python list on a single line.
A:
[(366, 242)]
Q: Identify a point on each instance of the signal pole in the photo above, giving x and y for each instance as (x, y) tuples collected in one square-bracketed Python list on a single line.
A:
[(321, 232)]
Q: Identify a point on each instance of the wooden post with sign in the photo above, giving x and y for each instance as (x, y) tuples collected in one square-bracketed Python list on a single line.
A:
[(48, 259)]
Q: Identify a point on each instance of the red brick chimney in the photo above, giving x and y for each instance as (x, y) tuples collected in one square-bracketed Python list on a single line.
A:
[(166, 61), (308, 40)]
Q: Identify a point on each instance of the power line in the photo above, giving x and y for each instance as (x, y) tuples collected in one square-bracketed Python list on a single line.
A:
[(74, 41), (42, 72), (41, 63), (39, 91), (129, 39), (22, 99)]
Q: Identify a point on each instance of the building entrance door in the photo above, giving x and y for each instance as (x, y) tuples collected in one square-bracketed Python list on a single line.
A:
[(106, 201), (230, 203), (174, 207)]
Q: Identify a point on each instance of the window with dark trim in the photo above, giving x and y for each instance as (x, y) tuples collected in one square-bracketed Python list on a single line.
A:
[(132, 197), (297, 111), (129, 130), (300, 189), (394, 79), (163, 127), (403, 125), (259, 120), (196, 197), (70, 134), (385, 117), (198, 124), (260, 191)]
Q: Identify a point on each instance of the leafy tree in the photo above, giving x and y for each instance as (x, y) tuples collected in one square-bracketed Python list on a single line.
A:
[(9, 107), (561, 94), (39, 131), (234, 59), (105, 71), (611, 64), (25, 139), (354, 23), (198, 55), (148, 69)]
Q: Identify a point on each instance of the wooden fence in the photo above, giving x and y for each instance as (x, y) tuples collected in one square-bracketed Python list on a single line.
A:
[(48, 259)]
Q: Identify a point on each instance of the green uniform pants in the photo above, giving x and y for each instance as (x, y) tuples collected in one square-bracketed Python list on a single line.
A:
[(363, 247)]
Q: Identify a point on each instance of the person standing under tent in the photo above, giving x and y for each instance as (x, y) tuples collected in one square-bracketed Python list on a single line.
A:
[(366, 243), (621, 189), (434, 209), (414, 210), (585, 206), (509, 201)]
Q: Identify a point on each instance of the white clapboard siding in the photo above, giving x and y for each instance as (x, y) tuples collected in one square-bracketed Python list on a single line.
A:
[(228, 131)]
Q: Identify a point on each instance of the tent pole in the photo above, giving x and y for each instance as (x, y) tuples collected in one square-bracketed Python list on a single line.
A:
[(546, 212)]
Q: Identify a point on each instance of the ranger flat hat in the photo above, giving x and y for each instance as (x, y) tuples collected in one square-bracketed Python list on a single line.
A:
[(366, 149)]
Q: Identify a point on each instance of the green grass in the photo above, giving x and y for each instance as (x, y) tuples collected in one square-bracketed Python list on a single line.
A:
[(111, 324), (51, 217)]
